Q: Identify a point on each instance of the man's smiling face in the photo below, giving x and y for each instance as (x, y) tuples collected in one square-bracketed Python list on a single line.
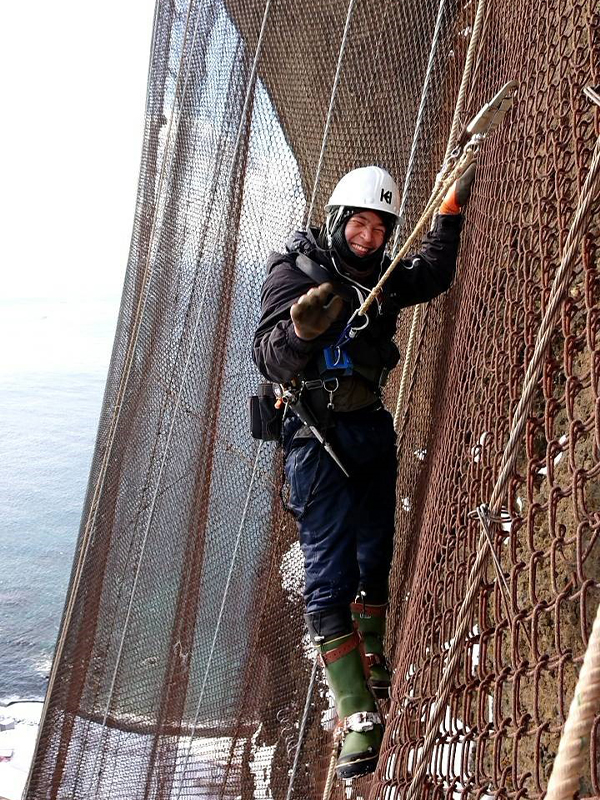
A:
[(365, 232)]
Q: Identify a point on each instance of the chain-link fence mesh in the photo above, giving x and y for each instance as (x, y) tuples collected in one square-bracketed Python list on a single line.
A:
[(182, 666)]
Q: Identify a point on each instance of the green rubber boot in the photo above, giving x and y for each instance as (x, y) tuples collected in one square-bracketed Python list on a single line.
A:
[(360, 724), (370, 623)]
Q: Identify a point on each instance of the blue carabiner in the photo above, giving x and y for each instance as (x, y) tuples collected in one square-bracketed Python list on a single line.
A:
[(350, 332)]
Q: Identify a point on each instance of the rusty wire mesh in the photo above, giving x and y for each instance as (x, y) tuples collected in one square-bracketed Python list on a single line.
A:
[(182, 668)]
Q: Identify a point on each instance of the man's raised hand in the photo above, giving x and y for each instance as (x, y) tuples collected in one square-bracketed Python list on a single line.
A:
[(313, 313)]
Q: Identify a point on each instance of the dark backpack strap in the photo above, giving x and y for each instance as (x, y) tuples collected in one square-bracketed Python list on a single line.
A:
[(310, 268), (317, 273)]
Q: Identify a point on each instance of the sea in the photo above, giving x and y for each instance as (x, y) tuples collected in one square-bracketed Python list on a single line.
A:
[(54, 356)]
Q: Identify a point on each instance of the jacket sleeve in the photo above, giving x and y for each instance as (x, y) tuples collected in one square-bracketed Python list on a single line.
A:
[(429, 272), (278, 353)]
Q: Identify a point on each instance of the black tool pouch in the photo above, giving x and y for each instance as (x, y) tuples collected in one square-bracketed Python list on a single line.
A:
[(265, 418)]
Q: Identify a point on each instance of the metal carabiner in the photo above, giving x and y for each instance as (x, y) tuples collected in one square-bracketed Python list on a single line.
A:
[(353, 330), (331, 391), (349, 332)]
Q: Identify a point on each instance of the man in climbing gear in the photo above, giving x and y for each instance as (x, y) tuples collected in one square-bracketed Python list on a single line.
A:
[(330, 366)]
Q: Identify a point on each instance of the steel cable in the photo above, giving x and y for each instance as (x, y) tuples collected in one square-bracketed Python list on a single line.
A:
[(334, 88)]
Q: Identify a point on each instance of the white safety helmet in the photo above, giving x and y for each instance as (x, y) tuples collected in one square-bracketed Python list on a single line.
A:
[(367, 187)]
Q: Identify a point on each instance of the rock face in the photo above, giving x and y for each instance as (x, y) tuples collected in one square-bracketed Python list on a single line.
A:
[(526, 641)]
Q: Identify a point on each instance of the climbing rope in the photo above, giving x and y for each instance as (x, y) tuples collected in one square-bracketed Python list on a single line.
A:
[(466, 77), (437, 195), (452, 173), (330, 779), (410, 346), (532, 375), (572, 750), (486, 121), (454, 129)]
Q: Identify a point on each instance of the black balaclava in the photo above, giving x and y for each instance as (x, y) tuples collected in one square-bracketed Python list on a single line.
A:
[(357, 267)]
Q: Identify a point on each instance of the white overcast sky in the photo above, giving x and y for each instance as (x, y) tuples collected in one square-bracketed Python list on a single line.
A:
[(74, 85)]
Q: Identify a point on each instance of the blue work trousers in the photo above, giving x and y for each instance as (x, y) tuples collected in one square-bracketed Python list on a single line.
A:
[(346, 525)]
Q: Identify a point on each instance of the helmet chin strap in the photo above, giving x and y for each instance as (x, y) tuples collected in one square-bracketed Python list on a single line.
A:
[(357, 286)]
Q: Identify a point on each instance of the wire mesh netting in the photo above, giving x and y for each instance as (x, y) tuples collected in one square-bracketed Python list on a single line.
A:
[(182, 666)]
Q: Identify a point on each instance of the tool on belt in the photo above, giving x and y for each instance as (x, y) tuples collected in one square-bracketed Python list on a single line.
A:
[(267, 410), (291, 397)]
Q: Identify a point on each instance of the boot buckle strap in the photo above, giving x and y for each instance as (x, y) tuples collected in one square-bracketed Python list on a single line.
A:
[(359, 722), (375, 660), (366, 611), (339, 652)]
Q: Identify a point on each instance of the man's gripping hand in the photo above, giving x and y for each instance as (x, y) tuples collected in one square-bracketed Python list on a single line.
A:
[(458, 194), (313, 313)]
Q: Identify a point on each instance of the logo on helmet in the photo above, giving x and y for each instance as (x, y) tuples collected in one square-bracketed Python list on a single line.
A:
[(387, 196)]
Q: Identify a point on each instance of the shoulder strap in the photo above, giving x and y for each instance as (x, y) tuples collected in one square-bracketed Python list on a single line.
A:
[(317, 273), (310, 268)]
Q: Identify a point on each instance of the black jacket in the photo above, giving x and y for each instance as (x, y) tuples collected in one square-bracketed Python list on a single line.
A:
[(280, 355)]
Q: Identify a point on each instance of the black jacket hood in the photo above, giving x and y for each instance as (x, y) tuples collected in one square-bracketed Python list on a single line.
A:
[(307, 242)]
